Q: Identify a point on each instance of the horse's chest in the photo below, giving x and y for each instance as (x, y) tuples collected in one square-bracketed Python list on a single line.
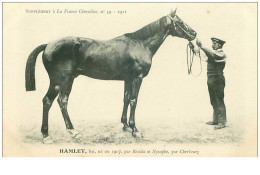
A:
[(141, 58)]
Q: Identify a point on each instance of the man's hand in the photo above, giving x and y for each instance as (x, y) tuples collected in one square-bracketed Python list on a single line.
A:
[(198, 42)]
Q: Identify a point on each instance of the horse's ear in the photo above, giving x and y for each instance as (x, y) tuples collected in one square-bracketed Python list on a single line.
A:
[(173, 12)]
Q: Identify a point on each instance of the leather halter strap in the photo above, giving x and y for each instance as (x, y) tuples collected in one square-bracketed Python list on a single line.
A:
[(172, 23), (173, 20)]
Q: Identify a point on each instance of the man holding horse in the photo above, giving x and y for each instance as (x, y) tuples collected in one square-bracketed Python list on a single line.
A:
[(215, 80)]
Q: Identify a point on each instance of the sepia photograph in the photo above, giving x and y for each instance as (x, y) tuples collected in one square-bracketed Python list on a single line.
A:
[(130, 79)]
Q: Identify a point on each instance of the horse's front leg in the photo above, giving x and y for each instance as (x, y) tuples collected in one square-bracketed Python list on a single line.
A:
[(127, 88), (135, 87)]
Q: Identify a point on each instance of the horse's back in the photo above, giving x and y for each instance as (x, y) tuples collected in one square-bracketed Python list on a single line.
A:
[(115, 59), (105, 60)]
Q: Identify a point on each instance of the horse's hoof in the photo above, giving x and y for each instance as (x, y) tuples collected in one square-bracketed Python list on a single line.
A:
[(74, 133), (47, 140), (137, 135), (127, 129)]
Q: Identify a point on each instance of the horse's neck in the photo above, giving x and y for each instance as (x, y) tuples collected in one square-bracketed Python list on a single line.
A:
[(154, 42), (151, 35)]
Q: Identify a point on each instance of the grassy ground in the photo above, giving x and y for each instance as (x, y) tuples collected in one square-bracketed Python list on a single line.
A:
[(110, 132)]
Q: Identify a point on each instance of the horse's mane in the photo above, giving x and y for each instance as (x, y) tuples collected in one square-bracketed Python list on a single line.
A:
[(149, 29)]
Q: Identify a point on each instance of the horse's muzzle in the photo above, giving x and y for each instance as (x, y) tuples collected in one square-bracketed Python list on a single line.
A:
[(192, 36)]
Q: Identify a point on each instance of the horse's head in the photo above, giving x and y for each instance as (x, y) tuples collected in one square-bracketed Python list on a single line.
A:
[(179, 28)]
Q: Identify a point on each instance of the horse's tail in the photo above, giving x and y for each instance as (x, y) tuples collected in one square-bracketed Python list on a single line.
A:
[(30, 68)]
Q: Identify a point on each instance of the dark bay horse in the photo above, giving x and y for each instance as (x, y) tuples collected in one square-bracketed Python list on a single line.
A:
[(127, 58)]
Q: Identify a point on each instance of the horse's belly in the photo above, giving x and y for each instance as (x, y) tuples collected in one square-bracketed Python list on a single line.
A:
[(103, 69), (112, 64), (100, 75)]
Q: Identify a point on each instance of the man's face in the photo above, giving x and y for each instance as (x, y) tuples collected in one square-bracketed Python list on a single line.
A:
[(215, 45)]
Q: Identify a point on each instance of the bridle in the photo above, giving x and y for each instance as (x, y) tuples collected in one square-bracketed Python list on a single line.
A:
[(174, 24), (190, 53)]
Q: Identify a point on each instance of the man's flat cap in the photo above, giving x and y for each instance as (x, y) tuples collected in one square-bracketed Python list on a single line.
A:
[(221, 42)]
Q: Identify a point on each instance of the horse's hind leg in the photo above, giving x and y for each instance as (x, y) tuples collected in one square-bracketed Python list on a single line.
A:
[(64, 92), (47, 103), (127, 88)]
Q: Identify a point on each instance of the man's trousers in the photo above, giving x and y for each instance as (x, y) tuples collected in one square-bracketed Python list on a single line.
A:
[(216, 85)]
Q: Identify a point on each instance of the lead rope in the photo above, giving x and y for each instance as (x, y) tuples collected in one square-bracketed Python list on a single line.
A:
[(190, 56)]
